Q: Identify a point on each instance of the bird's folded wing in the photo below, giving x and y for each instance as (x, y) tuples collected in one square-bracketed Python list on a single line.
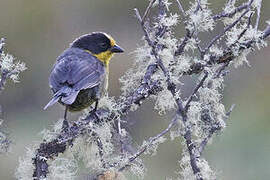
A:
[(76, 73)]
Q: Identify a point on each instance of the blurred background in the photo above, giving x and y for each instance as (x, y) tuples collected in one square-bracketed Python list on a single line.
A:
[(37, 31)]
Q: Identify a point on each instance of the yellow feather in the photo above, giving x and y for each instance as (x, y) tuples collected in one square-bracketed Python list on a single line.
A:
[(104, 57)]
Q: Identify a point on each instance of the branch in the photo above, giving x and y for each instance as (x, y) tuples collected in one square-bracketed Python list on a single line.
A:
[(193, 158), (258, 14), (213, 130), (2, 44), (233, 12), (147, 11), (181, 47), (170, 85), (4, 76), (195, 91), (171, 88), (225, 30), (197, 68), (3, 73), (180, 7)]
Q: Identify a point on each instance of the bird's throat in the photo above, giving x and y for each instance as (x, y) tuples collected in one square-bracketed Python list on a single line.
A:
[(104, 57)]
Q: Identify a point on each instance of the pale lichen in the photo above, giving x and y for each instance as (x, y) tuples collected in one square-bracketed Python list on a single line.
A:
[(12, 67), (49, 135), (200, 17), (25, 169), (4, 140), (63, 169)]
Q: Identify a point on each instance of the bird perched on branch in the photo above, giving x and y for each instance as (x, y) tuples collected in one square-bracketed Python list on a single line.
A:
[(80, 75)]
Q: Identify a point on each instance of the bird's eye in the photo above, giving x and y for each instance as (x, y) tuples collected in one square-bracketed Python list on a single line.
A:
[(103, 45)]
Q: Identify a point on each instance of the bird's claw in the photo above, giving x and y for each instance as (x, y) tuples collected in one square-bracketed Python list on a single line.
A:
[(65, 125)]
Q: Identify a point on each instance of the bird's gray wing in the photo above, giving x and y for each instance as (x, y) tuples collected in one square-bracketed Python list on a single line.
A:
[(74, 73), (78, 74)]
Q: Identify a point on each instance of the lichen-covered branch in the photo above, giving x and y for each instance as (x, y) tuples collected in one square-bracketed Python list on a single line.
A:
[(231, 12), (49, 150), (9, 69)]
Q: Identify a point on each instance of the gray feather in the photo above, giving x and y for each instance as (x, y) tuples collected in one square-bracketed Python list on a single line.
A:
[(70, 98), (52, 102)]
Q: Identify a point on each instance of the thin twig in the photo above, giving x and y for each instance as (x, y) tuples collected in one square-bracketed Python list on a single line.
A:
[(150, 142), (146, 35), (181, 47), (198, 6), (2, 44), (258, 14), (143, 19), (154, 52), (244, 31), (213, 130), (198, 67), (266, 33), (208, 137), (180, 7), (193, 158), (193, 94), (224, 31), (171, 88), (233, 12), (4, 76), (230, 110), (100, 149), (222, 68)]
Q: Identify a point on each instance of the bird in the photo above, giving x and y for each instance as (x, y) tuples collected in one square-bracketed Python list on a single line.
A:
[(80, 74)]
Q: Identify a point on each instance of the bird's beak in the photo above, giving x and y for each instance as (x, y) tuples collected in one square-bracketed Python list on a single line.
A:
[(116, 49)]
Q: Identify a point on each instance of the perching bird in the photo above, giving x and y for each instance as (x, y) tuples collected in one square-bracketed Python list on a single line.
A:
[(80, 75)]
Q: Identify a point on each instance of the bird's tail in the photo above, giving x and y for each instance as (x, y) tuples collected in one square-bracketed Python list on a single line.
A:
[(67, 95), (52, 101)]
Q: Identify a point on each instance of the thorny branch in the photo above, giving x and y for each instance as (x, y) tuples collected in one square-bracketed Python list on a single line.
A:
[(148, 87)]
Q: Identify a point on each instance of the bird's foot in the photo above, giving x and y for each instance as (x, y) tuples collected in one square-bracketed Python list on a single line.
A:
[(65, 125), (96, 115)]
